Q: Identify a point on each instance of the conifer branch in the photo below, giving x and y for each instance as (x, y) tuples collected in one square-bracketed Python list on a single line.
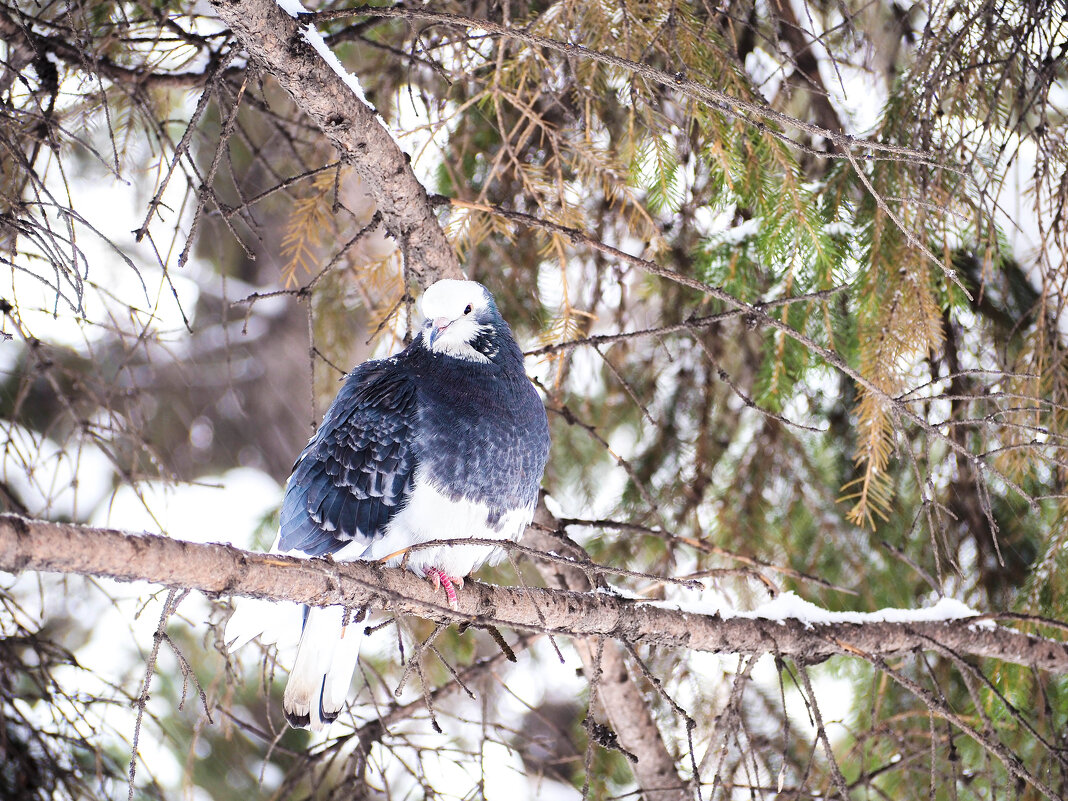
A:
[(731, 106), (758, 314)]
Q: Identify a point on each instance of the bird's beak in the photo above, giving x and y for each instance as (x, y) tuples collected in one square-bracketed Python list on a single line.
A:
[(438, 327)]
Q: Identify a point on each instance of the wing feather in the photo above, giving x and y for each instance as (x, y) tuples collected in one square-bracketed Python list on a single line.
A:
[(356, 472)]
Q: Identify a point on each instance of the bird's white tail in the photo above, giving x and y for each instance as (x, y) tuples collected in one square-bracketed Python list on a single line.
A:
[(326, 659)]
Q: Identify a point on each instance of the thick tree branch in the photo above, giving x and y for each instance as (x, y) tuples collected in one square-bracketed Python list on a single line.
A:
[(222, 569), (569, 609), (621, 699), (275, 41)]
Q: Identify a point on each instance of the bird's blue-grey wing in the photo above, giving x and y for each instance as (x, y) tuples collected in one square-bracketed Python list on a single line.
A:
[(357, 470)]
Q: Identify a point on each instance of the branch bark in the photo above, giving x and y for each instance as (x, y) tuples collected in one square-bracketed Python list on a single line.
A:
[(621, 699), (275, 41), (222, 569)]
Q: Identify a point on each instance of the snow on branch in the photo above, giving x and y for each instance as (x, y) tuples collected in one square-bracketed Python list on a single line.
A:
[(279, 45), (222, 569)]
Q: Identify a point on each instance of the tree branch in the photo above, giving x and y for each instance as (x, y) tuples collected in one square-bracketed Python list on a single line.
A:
[(276, 42), (222, 569), (730, 105), (621, 699), (28, 44)]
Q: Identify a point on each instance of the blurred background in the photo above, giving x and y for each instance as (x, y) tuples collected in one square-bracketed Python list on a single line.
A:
[(186, 272)]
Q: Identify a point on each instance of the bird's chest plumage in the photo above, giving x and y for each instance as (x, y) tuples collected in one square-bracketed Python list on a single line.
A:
[(480, 434), (481, 440)]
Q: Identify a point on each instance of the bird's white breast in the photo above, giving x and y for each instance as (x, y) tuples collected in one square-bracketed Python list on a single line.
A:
[(431, 515)]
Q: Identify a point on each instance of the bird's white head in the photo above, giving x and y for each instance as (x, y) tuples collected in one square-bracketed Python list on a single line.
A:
[(459, 316)]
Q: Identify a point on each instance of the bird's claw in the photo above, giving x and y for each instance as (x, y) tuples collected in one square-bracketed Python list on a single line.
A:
[(438, 579)]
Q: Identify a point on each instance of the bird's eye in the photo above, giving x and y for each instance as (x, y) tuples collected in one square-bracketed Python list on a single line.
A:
[(468, 309)]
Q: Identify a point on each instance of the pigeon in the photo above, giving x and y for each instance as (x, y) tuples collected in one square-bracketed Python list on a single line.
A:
[(446, 440)]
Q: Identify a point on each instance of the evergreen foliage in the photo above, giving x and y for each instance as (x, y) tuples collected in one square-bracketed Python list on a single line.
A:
[(845, 378)]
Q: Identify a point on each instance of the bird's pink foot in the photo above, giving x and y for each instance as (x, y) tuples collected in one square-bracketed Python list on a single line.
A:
[(438, 579)]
